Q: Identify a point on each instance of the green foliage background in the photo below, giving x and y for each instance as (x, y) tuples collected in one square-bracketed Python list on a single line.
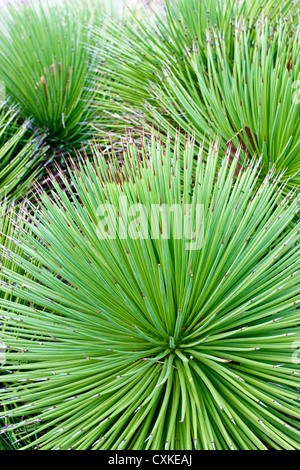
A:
[(140, 343)]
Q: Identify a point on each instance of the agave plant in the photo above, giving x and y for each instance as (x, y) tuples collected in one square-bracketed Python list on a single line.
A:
[(21, 153), (45, 66), (141, 59), (175, 340), (253, 101)]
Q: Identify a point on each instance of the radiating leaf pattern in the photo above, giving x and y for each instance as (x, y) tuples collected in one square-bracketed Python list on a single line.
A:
[(138, 343)]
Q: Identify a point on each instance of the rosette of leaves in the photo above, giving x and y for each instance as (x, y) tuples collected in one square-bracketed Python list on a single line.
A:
[(141, 56), (253, 101), (125, 340), (21, 153), (46, 68)]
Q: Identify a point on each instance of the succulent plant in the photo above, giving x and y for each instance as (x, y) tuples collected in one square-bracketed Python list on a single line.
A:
[(253, 101), (154, 67), (122, 340), (46, 68)]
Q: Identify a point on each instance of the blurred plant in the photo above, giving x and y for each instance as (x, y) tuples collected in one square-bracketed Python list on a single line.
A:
[(46, 67), (250, 102), (138, 343), (141, 56)]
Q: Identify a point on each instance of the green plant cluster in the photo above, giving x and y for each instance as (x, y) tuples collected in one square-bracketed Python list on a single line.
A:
[(45, 75), (221, 68), (135, 341)]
